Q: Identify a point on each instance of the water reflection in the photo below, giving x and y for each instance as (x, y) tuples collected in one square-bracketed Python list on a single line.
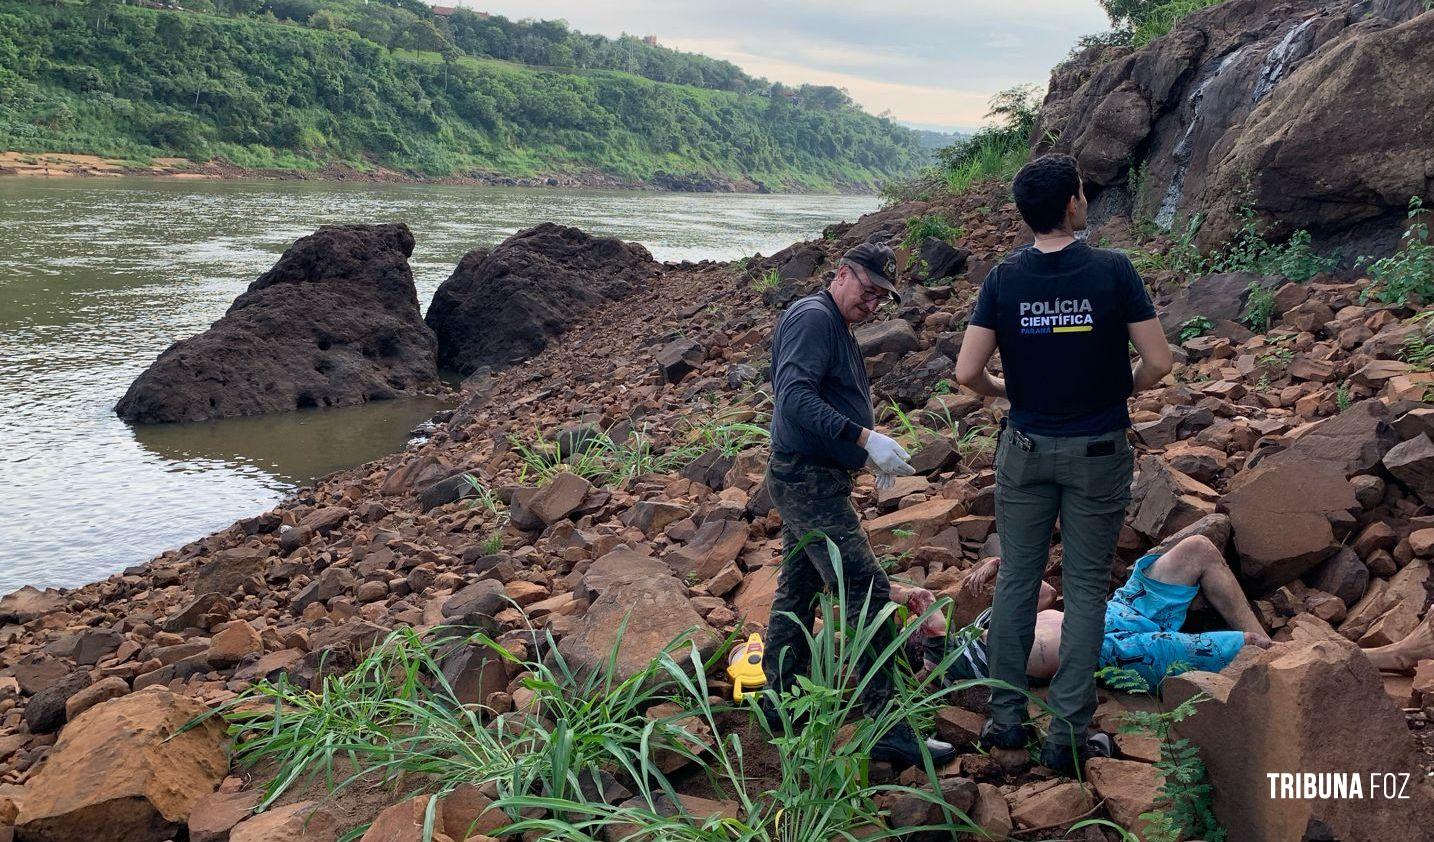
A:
[(291, 448), (98, 276)]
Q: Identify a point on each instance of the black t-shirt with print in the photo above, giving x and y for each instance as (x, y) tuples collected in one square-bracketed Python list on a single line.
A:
[(1061, 325)]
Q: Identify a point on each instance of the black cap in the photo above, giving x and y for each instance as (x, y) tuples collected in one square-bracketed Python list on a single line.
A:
[(880, 261)]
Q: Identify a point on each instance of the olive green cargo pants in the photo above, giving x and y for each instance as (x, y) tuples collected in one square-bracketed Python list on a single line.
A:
[(1088, 493)]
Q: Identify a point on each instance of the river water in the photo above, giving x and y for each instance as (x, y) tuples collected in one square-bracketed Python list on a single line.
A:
[(98, 276)]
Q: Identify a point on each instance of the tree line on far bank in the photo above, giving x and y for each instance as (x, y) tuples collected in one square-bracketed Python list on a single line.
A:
[(133, 82)]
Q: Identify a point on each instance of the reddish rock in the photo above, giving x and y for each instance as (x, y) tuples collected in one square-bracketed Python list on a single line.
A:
[(28, 603), (215, 814), (1280, 518), (1412, 463), (1128, 787), (562, 496), (1046, 803), (639, 605), (1313, 705), (304, 821), (124, 765), (403, 822), (716, 544), (233, 643), (103, 690)]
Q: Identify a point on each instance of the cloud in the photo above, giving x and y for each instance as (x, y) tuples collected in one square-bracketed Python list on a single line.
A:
[(929, 62)]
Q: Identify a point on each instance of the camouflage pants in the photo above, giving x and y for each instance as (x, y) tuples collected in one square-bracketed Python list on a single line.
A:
[(813, 498)]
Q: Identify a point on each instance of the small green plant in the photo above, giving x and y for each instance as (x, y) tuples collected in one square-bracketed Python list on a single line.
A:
[(1259, 307), (1409, 272), (977, 440), (1342, 398), (767, 281), (1418, 350), (483, 496), (942, 387), (919, 228), (1183, 811), (1195, 326), (1249, 251), (1276, 358), (493, 544)]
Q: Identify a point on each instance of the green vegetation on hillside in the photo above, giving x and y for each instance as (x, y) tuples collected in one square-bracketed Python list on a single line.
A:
[(135, 83), (996, 151)]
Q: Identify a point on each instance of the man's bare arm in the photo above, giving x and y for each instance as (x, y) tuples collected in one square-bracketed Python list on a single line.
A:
[(976, 349), (1155, 357)]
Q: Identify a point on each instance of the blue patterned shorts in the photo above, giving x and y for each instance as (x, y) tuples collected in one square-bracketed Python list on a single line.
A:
[(1142, 630)]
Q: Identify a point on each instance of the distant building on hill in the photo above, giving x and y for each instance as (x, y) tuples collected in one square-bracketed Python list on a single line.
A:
[(650, 39), (446, 11)]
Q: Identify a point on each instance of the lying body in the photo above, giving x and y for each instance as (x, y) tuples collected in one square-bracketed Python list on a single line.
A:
[(1144, 617)]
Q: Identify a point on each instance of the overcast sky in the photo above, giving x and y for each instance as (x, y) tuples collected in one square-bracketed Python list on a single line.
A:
[(933, 63)]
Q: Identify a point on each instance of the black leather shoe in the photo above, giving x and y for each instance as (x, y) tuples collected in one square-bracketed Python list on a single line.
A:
[(1057, 755), (900, 748), (1003, 736)]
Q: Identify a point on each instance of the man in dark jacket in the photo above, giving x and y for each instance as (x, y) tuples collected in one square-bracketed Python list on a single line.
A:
[(1063, 315), (821, 434)]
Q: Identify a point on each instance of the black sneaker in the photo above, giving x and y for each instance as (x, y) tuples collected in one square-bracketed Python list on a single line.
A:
[(1057, 755), (1003, 736), (900, 748)]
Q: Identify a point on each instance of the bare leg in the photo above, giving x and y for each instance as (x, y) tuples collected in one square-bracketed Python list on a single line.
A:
[(1404, 655), (1045, 651), (1196, 561)]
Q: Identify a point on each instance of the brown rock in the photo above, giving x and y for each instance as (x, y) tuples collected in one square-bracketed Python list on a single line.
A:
[(1354, 440), (227, 572), (215, 814), (403, 822), (1280, 518), (1128, 787), (304, 821), (1313, 705), (753, 599), (991, 812), (679, 358), (642, 595), (716, 544), (562, 496), (1412, 463), (103, 690), (233, 643), (653, 516), (1046, 803), (921, 521), (27, 603), (1165, 501), (124, 766)]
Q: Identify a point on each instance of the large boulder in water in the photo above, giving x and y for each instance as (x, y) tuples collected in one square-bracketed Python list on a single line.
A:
[(334, 323), (503, 306), (1319, 104)]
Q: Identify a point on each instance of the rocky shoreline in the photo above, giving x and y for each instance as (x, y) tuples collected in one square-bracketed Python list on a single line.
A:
[(66, 165), (1305, 451)]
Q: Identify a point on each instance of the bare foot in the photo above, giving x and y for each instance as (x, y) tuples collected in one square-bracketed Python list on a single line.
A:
[(1258, 640), (1405, 655)]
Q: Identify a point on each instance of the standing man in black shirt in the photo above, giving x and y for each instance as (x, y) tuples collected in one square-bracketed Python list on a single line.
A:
[(1063, 315), (821, 434)]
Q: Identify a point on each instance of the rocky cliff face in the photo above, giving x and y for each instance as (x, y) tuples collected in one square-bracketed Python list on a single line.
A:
[(334, 323), (1316, 115)]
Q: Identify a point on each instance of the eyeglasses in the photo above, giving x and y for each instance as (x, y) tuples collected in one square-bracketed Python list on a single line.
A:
[(869, 292)]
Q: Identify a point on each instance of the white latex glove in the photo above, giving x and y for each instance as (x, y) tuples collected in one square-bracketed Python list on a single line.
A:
[(884, 480), (888, 456)]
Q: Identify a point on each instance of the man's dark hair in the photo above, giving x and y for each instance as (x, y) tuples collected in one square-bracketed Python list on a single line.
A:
[(1042, 189)]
